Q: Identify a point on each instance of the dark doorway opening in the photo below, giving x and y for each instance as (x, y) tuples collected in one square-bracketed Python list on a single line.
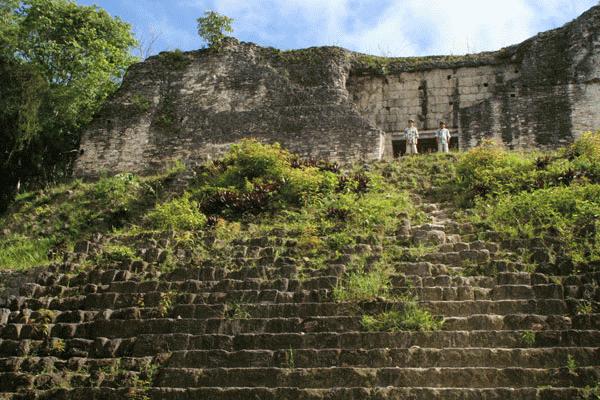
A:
[(425, 145)]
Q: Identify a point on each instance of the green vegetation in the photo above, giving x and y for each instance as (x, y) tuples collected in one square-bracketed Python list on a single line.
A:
[(140, 103), (592, 392), (528, 338), (315, 213), (45, 225), (290, 358), (381, 65), (552, 197), (411, 318), (363, 287), (212, 28), (584, 308), (116, 253), (17, 252), (571, 364), (59, 61), (236, 311), (174, 60), (166, 303), (177, 214), (254, 191)]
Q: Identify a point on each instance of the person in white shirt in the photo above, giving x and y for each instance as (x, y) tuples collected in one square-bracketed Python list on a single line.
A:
[(412, 137), (442, 137)]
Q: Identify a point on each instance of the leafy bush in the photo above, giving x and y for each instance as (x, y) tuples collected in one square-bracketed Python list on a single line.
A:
[(212, 28), (411, 318), (378, 210), (585, 156), (178, 214), (491, 171), (586, 146), (568, 217), (253, 177), (116, 191), (174, 60)]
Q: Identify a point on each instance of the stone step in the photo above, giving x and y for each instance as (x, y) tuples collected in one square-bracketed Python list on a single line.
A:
[(443, 300), (415, 357), (575, 283), (233, 311), (41, 364), (151, 344), (294, 393), (437, 266), (273, 272), (131, 328), (376, 377), (283, 284), (317, 358), (367, 393), (446, 292)]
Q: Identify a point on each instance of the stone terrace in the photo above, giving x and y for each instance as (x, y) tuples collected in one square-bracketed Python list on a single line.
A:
[(268, 330)]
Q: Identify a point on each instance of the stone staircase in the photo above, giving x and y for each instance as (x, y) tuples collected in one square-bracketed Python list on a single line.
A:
[(272, 330)]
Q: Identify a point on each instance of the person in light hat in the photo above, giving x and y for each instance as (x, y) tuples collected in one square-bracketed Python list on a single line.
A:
[(411, 134), (442, 137)]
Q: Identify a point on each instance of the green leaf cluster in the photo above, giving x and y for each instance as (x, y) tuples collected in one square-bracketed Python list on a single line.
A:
[(212, 28), (178, 214), (58, 62)]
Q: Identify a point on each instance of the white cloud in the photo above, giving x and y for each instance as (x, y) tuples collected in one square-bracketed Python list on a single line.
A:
[(389, 27), (401, 27)]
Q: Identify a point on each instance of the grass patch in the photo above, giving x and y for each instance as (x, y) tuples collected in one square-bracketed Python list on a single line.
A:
[(19, 253), (116, 253), (363, 287), (411, 318)]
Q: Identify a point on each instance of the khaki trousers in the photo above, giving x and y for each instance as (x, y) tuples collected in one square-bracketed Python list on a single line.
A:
[(411, 148)]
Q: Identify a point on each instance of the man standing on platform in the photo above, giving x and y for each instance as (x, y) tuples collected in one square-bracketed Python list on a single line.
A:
[(412, 137), (442, 137)]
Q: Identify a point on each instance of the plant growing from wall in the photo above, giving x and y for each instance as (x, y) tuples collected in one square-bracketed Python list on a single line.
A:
[(212, 28), (528, 338)]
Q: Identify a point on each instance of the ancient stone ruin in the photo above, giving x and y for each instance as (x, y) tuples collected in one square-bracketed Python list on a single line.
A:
[(269, 330), (332, 103), (139, 311)]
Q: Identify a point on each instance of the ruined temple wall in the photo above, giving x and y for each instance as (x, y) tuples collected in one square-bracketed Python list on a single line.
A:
[(427, 97), (585, 113), (542, 93), (331, 103), (193, 106)]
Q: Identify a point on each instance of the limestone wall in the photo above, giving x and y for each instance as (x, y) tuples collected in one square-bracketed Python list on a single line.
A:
[(428, 97), (331, 103), (542, 93), (192, 106)]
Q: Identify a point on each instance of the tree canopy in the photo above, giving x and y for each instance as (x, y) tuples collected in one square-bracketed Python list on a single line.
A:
[(58, 62), (212, 27)]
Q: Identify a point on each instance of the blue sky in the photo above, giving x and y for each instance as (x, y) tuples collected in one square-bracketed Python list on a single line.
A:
[(381, 27)]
